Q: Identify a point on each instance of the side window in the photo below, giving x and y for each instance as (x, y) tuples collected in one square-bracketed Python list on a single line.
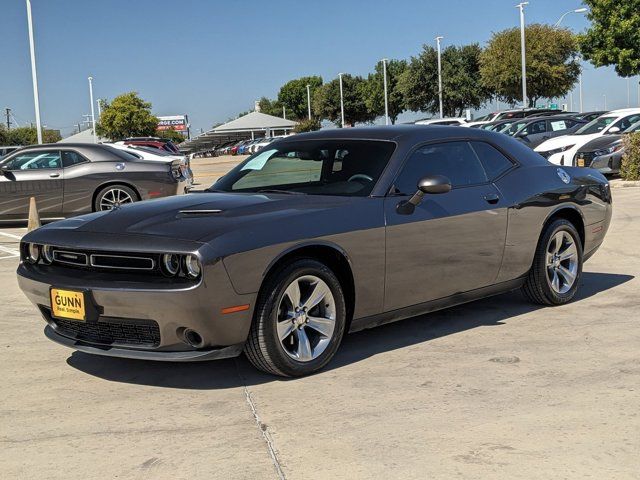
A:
[(536, 127), (72, 158), (39, 159), (626, 122), (455, 160), (494, 162)]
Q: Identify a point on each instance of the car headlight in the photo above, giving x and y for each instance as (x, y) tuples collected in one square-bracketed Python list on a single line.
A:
[(567, 147), (46, 253), (192, 266), (608, 151), (170, 264), (32, 253)]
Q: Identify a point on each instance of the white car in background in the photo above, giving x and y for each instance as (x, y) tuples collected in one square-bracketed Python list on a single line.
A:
[(452, 121), (562, 150), (155, 155), (265, 141)]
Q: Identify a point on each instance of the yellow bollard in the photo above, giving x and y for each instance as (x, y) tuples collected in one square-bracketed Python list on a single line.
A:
[(34, 218)]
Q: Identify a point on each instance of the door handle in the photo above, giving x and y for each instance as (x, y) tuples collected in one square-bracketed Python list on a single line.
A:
[(492, 198), (54, 175)]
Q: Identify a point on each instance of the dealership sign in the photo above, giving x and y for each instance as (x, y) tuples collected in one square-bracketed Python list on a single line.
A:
[(174, 122)]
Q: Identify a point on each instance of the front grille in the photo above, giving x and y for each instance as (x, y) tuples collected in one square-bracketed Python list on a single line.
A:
[(111, 331), (70, 258), (107, 261), (123, 262), (586, 156)]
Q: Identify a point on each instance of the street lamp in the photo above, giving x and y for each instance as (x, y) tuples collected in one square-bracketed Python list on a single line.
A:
[(93, 116), (439, 75), (557, 24), (604, 95), (522, 54), (309, 100), (577, 10), (386, 98), (341, 102), (34, 75)]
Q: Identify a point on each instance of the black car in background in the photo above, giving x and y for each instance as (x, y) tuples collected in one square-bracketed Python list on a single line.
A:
[(320, 234), (535, 130), (588, 116), (72, 179), (605, 153)]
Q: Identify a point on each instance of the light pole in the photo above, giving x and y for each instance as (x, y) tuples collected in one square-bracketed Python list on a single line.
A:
[(604, 96), (522, 54), (99, 108), (93, 116), (557, 24), (628, 92), (34, 75), (284, 112), (309, 100), (341, 102), (439, 75), (386, 98), (577, 10)]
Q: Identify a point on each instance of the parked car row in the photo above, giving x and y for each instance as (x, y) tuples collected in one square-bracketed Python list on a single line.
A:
[(72, 179)]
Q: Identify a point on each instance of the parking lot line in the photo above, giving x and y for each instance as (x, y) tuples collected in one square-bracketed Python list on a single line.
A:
[(11, 235)]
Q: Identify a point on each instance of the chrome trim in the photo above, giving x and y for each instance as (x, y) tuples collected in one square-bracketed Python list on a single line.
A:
[(99, 255), (78, 254), (198, 212)]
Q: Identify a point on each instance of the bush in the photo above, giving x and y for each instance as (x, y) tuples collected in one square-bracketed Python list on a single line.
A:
[(630, 168)]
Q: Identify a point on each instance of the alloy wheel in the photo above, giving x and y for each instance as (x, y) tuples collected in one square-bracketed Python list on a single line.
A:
[(113, 198), (562, 262), (306, 318)]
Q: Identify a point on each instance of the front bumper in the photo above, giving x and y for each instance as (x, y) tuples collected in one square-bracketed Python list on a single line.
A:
[(138, 319)]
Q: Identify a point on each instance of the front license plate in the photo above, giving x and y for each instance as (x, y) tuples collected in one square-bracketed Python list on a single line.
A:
[(581, 162), (68, 304)]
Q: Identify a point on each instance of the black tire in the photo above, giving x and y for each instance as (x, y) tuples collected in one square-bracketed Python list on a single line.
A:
[(263, 347), (537, 287), (101, 194)]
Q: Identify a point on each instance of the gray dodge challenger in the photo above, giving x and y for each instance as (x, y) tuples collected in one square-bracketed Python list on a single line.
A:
[(314, 236)]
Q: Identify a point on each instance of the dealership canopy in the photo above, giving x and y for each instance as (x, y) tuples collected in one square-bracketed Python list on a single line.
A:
[(251, 125)]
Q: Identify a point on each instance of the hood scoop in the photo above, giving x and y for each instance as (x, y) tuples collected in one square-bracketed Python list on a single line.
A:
[(202, 212)]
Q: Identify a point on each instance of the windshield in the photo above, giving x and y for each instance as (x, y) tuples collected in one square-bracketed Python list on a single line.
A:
[(315, 167), (595, 126)]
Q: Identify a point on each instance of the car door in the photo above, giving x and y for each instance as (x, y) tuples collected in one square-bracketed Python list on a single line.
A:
[(32, 173), (535, 132), (79, 185), (452, 242)]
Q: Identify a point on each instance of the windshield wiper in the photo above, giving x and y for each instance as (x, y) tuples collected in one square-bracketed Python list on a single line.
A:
[(275, 190)]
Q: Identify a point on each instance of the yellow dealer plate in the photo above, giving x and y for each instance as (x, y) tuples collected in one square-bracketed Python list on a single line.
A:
[(581, 162), (68, 304)]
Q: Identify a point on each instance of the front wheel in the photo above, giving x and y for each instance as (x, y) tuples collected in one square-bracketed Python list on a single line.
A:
[(299, 321), (557, 265)]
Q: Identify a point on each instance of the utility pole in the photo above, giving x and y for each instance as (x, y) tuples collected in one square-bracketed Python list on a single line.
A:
[(386, 94), (341, 102), (93, 115), (523, 55), (8, 114), (34, 75), (439, 76)]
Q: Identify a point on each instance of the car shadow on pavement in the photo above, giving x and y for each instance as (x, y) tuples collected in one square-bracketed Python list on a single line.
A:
[(233, 373)]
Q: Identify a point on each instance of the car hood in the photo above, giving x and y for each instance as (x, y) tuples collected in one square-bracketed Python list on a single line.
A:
[(201, 216), (599, 143), (565, 140)]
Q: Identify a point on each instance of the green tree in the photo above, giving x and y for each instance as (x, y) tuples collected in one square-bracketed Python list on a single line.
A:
[(293, 95), (307, 125), (127, 116), (270, 107), (552, 63), (461, 88), (171, 134), (374, 89), (614, 35), (3, 135), (29, 136), (326, 101)]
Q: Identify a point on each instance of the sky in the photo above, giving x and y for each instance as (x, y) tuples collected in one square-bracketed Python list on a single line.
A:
[(211, 59)]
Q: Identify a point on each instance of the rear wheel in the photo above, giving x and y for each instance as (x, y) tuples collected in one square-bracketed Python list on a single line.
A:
[(557, 265), (299, 321), (114, 196)]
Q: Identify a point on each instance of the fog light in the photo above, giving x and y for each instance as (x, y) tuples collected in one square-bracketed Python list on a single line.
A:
[(47, 254), (192, 266), (32, 253), (170, 263)]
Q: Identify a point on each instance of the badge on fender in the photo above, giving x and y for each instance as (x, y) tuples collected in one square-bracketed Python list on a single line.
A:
[(564, 176)]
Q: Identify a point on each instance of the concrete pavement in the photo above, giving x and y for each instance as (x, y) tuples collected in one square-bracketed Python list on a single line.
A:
[(493, 389)]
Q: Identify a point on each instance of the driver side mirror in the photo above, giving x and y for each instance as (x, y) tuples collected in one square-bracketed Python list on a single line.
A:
[(430, 184), (613, 130), (4, 169)]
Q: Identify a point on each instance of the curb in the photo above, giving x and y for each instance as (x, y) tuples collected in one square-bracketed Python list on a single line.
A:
[(624, 184)]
